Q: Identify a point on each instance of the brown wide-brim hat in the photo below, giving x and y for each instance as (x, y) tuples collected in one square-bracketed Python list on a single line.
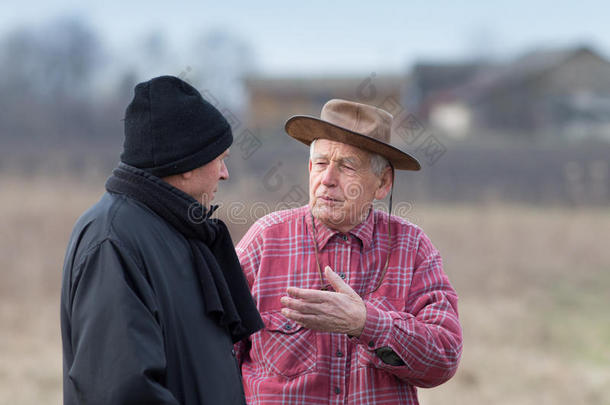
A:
[(360, 125)]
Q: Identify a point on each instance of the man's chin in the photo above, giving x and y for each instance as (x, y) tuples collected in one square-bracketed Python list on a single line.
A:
[(206, 199), (330, 216)]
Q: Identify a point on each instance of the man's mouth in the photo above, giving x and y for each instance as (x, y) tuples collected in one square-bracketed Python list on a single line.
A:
[(329, 199)]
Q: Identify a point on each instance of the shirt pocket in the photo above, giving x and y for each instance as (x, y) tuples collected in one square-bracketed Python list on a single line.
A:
[(287, 348)]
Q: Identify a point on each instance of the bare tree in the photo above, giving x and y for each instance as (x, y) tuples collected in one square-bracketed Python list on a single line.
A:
[(46, 86)]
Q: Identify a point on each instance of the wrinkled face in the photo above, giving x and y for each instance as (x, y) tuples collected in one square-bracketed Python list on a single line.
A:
[(202, 183), (342, 186)]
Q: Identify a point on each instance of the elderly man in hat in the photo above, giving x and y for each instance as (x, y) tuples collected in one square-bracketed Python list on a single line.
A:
[(153, 296), (356, 306)]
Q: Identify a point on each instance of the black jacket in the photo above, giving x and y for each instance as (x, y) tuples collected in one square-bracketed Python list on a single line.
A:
[(134, 329)]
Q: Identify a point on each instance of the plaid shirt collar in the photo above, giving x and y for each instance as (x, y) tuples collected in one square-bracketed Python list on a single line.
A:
[(363, 231)]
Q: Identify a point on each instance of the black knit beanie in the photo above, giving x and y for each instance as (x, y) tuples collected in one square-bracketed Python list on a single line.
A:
[(171, 129)]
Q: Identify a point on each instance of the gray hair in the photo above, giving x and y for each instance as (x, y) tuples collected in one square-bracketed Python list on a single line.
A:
[(378, 162)]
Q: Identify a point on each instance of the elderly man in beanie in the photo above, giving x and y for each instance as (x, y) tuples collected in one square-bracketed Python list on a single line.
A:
[(356, 306), (153, 296)]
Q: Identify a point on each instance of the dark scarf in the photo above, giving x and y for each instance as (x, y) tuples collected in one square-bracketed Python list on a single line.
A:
[(224, 288)]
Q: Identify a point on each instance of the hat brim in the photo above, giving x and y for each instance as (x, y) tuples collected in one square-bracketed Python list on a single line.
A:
[(305, 129)]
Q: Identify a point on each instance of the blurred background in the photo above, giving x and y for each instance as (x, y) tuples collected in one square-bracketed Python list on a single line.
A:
[(506, 106)]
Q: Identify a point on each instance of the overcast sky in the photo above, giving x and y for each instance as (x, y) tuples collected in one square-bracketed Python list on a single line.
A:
[(339, 36)]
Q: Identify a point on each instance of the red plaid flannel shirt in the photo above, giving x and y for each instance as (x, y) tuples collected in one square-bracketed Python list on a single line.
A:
[(414, 312)]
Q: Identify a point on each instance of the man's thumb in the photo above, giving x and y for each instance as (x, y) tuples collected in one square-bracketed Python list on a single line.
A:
[(337, 282)]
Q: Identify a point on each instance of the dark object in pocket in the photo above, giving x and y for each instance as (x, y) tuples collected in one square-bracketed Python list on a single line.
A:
[(389, 356)]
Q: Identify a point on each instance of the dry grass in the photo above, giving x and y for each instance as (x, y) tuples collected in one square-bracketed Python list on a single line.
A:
[(37, 216), (534, 288), (533, 284)]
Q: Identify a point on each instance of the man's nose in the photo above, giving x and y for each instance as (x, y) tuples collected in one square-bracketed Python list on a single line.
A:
[(224, 172), (329, 176)]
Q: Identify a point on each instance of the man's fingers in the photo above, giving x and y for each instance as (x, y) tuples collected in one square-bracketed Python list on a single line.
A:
[(337, 282), (307, 294), (301, 306), (296, 315), (306, 320)]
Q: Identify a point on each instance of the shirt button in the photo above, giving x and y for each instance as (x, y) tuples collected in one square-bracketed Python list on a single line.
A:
[(339, 353), (344, 237), (337, 390), (287, 326), (371, 343), (342, 275)]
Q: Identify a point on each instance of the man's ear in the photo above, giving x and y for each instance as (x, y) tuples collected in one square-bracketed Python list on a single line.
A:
[(385, 184), (178, 180)]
